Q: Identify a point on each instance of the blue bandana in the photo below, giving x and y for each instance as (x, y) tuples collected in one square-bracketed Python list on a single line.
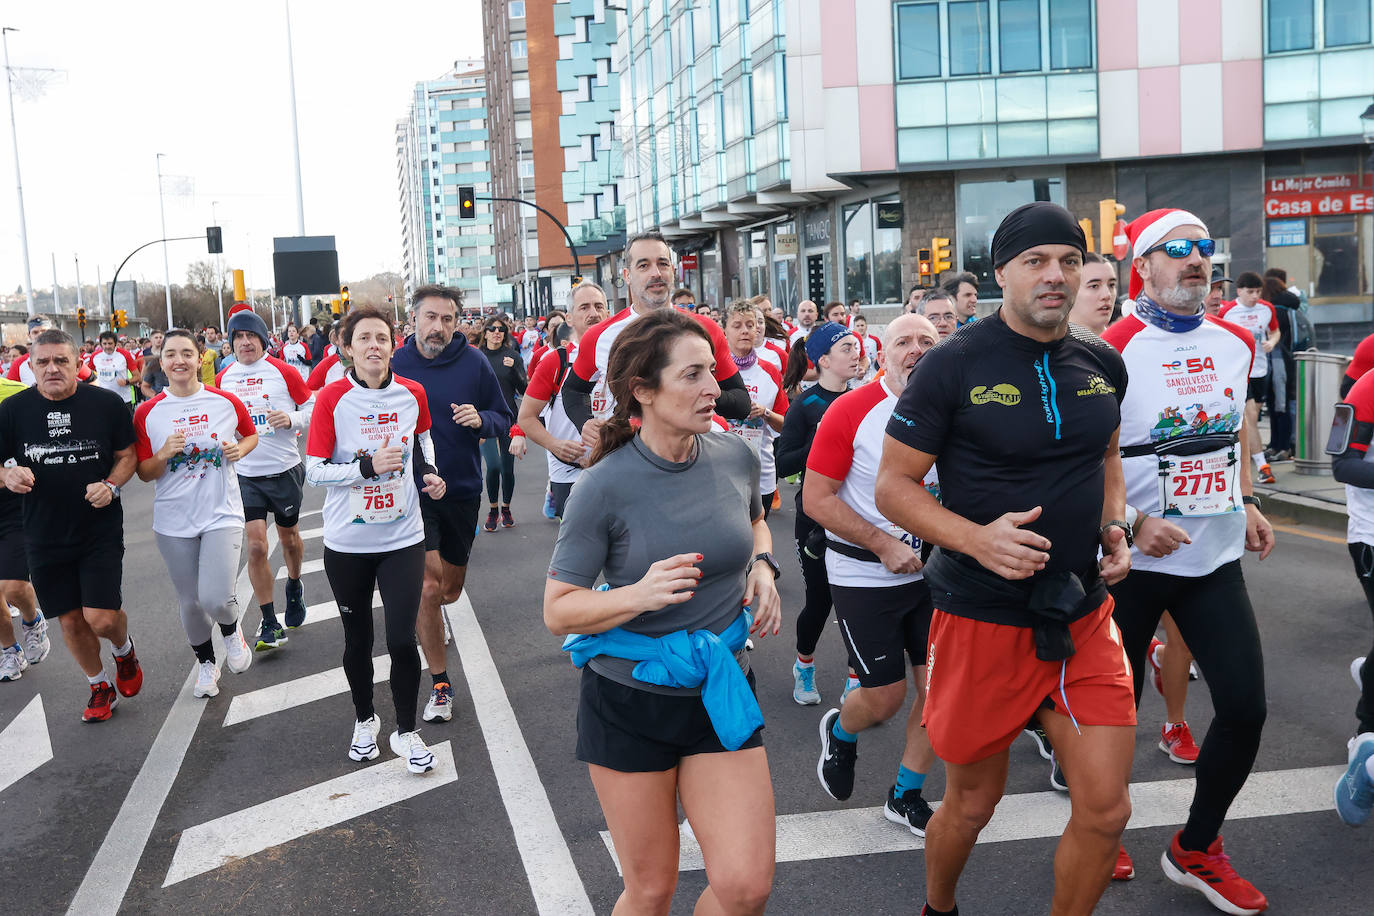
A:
[(1153, 313), (821, 339)]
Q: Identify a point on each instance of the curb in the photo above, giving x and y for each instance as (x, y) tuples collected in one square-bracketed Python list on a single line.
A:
[(1303, 509)]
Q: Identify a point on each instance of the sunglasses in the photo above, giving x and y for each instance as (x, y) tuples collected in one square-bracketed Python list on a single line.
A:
[(497, 328), (1181, 248)]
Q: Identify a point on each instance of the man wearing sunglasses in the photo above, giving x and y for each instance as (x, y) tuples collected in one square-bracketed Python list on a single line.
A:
[(1259, 318), (1184, 448)]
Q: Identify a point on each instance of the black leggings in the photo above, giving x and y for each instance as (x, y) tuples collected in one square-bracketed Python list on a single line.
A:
[(1214, 615), (1363, 555), (816, 611), (397, 574), (500, 468), (768, 503)]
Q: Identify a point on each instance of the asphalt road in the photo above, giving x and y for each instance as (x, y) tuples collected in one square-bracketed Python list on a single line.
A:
[(182, 805)]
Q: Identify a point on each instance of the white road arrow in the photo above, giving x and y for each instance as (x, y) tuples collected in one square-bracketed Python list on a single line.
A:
[(24, 744)]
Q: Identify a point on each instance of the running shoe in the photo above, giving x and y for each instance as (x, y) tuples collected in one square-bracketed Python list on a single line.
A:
[(101, 704), (1356, 667), (1124, 869), (549, 507), (1355, 790), (804, 690), (364, 746), (128, 672), (440, 705), (237, 657), (910, 810), (1057, 780), (12, 664), (1178, 743), (410, 746), (34, 638), (1155, 646), (492, 516), (850, 685), (295, 604), (835, 769), (1211, 873), (507, 520), (270, 636), (207, 680), (1042, 741), (1265, 476)]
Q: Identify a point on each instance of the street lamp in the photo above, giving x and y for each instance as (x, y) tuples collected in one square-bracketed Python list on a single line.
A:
[(166, 267), (19, 184)]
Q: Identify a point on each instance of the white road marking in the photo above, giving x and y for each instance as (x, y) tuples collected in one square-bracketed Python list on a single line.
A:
[(1029, 816), (309, 566), (328, 610), (548, 863), (107, 880), (308, 533), (302, 690), (24, 744), (211, 845)]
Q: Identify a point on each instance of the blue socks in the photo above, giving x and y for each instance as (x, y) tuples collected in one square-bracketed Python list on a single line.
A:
[(840, 733), (908, 780)]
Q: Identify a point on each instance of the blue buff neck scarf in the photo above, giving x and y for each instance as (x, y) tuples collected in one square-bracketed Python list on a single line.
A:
[(1153, 313)]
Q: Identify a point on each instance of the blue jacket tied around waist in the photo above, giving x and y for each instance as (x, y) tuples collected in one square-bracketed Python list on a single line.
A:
[(682, 659)]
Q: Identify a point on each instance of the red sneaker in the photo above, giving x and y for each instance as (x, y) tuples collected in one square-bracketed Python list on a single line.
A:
[(101, 704), (1124, 870), (128, 673), (1211, 873), (1155, 645), (1178, 743)]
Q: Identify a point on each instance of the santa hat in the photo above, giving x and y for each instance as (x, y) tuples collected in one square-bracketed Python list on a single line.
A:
[(1148, 230), (239, 307)]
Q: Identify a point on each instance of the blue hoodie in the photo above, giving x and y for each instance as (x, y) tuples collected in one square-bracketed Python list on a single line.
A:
[(459, 375)]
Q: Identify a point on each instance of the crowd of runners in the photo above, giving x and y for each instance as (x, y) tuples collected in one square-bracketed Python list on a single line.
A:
[(1008, 591)]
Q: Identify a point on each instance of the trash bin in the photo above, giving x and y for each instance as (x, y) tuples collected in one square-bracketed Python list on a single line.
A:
[(1319, 390)]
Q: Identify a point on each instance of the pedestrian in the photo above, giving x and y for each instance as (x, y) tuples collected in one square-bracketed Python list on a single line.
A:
[(509, 369), (1283, 391), (1257, 316), (667, 713), (115, 368), (1095, 305)]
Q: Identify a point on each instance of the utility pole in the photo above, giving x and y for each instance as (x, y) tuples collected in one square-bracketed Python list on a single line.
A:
[(78, 280), (166, 267), (54, 286), (18, 182), (219, 269), (524, 246), (295, 142)]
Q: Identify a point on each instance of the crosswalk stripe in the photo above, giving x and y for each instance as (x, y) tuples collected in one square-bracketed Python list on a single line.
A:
[(309, 566), (24, 744), (290, 694), (1028, 816), (236, 836), (328, 610), (308, 533)]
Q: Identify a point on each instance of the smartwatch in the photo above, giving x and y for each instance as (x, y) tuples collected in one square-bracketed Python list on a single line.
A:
[(114, 490), (1251, 501), (766, 558), (1117, 523)]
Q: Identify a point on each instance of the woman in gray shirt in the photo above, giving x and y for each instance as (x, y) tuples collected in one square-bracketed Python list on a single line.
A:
[(671, 516)]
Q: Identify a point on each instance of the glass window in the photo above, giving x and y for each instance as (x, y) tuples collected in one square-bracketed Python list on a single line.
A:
[(1290, 25), (1021, 99), (968, 38), (1294, 121), (925, 144), (1291, 79), (973, 141), (519, 48), (520, 89), (982, 205), (517, 9), (1071, 34), (1072, 95), (1076, 136), (920, 105), (1020, 140), (1346, 73), (971, 101), (704, 25), (918, 40), (1347, 22), (858, 251), (1018, 30), (1336, 260)]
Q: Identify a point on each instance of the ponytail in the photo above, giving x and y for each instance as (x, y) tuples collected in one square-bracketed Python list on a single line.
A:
[(615, 432), (797, 364)]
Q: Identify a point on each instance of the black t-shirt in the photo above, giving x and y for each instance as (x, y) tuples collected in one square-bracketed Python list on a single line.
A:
[(69, 445), (1015, 424)]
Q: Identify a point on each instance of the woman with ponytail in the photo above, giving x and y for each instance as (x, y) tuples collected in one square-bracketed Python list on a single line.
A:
[(671, 517)]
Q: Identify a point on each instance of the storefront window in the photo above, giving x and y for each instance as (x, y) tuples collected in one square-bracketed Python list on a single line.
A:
[(981, 207), (887, 261), (1336, 255), (873, 251), (858, 251)]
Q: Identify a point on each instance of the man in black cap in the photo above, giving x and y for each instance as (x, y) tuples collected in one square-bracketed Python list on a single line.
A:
[(1212, 303), (1020, 415)]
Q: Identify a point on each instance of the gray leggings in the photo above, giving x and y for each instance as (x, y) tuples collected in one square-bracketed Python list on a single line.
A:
[(203, 570)]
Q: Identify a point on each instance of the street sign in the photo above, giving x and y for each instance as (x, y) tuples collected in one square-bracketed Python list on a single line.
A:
[(689, 262), (1121, 244), (214, 240)]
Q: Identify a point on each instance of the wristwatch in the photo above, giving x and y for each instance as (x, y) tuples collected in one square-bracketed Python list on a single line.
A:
[(1251, 501), (772, 564), (1117, 523), (114, 490)]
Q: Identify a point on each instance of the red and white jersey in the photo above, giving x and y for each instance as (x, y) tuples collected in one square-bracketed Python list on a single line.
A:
[(1359, 501), (21, 371), (765, 387), (848, 447), (1260, 320), (297, 356), (544, 386), (595, 353), (264, 386), (362, 514), (798, 333), (872, 347), (1183, 386), (330, 370), (199, 490), (529, 339), (330, 350), (110, 367), (775, 353)]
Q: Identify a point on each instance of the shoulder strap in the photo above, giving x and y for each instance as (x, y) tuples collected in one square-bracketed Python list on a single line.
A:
[(564, 364)]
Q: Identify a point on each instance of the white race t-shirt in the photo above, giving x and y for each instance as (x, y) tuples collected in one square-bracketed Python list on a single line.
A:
[(765, 387), (110, 367), (544, 386), (264, 386), (1261, 321), (297, 356)]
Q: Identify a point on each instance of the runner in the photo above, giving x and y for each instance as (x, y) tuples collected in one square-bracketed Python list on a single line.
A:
[(1185, 443), (807, 318), (1021, 415), (295, 353), (688, 732), (541, 412), (20, 370), (189, 439), (767, 403), (470, 407), (369, 445), (881, 601), (834, 351), (1258, 317), (115, 368), (326, 371), (510, 374), (938, 306), (270, 478), (33, 644), (73, 448), (1095, 305)]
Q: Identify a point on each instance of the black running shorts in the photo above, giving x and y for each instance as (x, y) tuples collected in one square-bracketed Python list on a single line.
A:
[(450, 526), (884, 628), (1258, 389), (279, 494), (14, 561), (90, 575)]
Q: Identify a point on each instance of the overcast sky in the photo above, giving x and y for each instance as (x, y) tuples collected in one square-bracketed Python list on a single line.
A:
[(206, 84)]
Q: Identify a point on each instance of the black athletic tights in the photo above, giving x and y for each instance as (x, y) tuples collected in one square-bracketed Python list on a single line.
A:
[(397, 574), (816, 611), (1214, 614), (1363, 555)]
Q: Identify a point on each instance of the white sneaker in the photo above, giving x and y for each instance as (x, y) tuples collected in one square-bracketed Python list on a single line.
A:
[(207, 680), (440, 705), (35, 640), (1355, 667), (12, 664), (364, 745), (237, 655), (410, 746)]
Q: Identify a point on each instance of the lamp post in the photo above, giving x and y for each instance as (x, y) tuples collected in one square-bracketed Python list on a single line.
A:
[(166, 266), (18, 183)]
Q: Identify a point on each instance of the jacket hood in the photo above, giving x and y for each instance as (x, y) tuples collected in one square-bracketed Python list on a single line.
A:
[(450, 354)]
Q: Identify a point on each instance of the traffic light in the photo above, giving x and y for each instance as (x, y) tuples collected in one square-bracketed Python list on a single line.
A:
[(334, 308), (121, 320), (940, 256), (80, 318), (214, 240), (923, 274), (1087, 226), (343, 298), (1108, 212), (467, 202)]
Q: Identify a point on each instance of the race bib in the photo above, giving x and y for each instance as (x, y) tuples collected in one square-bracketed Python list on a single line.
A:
[(601, 400), (258, 414), (906, 537), (1197, 486), (105, 374), (751, 434), (377, 503)]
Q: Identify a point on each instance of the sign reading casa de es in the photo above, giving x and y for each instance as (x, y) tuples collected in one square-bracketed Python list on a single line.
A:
[(1318, 195)]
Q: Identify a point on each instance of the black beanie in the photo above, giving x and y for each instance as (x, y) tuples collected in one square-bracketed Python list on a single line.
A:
[(248, 320)]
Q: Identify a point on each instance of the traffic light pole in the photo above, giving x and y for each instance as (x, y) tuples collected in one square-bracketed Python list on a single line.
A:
[(577, 262), (115, 279)]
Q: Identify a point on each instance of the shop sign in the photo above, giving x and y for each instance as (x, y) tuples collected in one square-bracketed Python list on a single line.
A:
[(1287, 232), (1318, 195), (785, 243), (689, 262), (889, 215), (816, 229)]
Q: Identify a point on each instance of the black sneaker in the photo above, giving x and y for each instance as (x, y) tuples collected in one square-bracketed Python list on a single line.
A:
[(492, 517), (295, 604), (911, 810), (1042, 740), (1057, 780), (270, 636), (835, 769)]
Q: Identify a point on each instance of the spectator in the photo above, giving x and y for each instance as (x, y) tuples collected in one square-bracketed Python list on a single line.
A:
[(1283, 394)]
